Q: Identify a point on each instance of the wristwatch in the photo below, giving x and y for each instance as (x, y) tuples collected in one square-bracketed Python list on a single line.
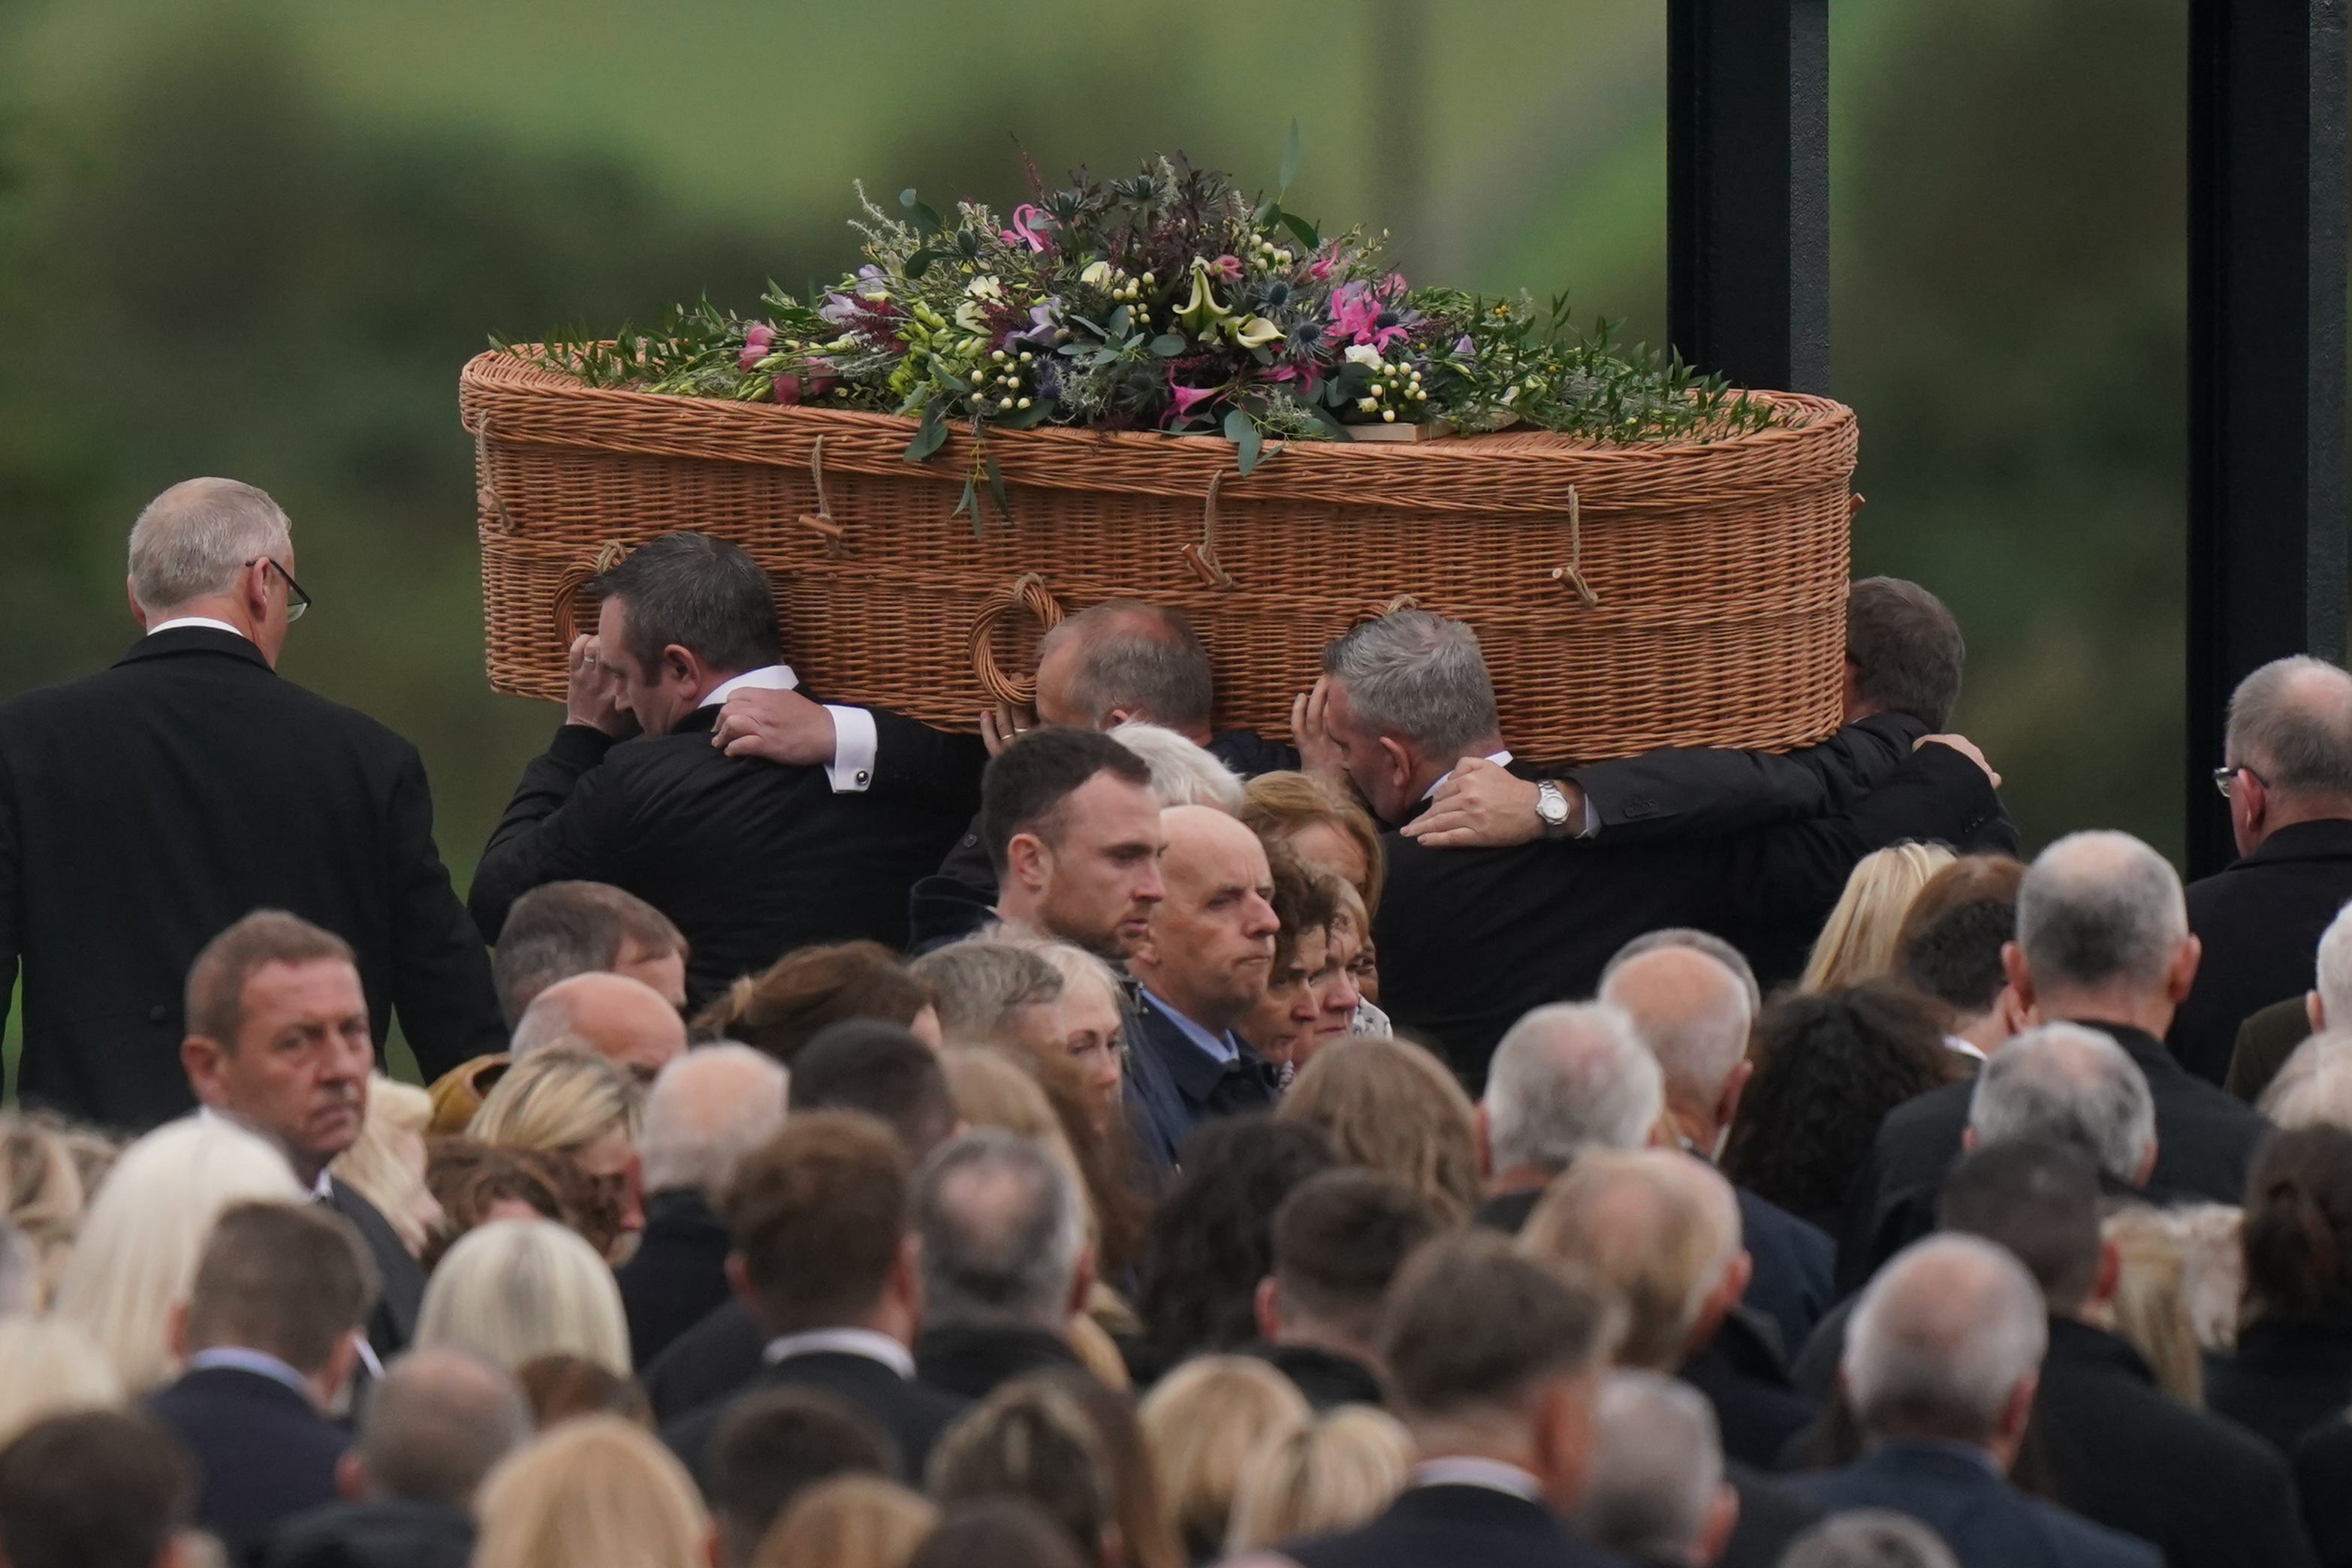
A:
[(1552, 809)]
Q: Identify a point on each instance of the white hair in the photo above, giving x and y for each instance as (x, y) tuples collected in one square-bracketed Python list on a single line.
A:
[(48, 1367), (1658, 1468), (192, 541), (1567, 1078), (2068, 1084), (2335, 983), (1942, 1339), (707, 1109), (1869, 1538), (1695, 1025), (2098, 909), (1181, 772), (516, 1290), (146, 1230), (2290, 723), (2314, 1086)]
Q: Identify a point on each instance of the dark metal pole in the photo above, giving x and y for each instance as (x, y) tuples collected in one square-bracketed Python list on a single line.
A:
[(2266, 346), (1748, 189)]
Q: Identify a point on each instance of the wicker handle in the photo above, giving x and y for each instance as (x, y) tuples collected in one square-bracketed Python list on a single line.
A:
[(820, 522), (1027, 591), (1203, 557), (1572, 574), (565, 607), (487, 498)]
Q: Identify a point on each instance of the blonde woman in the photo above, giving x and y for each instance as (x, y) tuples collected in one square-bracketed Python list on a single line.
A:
[(581, 1107), (1203, 1423), (48, 1367), (2149, 1309), (386, 1164), (1335, 1473), (516, 1290), (1857, 943), (146, 1230), (597, 1492), (1393, 1107), (47, 1192), (849, 1521)]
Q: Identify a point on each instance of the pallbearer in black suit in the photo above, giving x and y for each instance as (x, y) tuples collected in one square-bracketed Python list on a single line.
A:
[(278, 1042), (1496, 1361), (143, 809), (751, 860)]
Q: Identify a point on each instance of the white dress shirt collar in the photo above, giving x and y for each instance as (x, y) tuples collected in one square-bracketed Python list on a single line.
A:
[(1954, 1042), (767, 677), (1492, 1474), (1500, 759), (182, 623), (843, 1341)]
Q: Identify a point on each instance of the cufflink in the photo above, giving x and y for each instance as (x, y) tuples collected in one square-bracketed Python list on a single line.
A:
[(864, 777)]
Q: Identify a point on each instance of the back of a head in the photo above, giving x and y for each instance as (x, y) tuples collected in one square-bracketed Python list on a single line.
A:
[(2297, 1229), (1857, 942), (1030, 1439), (1139, 659), (1941, 1342), (1691, 1010), (1182, 773), (2070, 1085), (1027, 784), (2314, 1084), (881, 1071), (620, 1018), (2333, 981), (781, 1009), (1338, 1240), (1003, 1229), (1474, 1327), (290, 1281), (2039, 1200), (1000, 1532), (985, 987), (192, 542), (1212, 1236), (1869, 1538), (1417, 676), (97, 1488), (597, 1489), (1950, 944), (437, 1423), (2098, 910), (2290, 723), (1204, 1421), (701, 594), (772, 1445), (558, 930), (707, 1110), (1907, 650), (1697, 941), (1567, 1078), (562, 1387), (516, 1290), (1657, 1471), (819, 1215), (853, 1521), (1654, 1225), (1336, 1472), (1392, 1105), (559, 1100)]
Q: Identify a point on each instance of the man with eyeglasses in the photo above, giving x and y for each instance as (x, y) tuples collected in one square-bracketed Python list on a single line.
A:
[(146, 808)]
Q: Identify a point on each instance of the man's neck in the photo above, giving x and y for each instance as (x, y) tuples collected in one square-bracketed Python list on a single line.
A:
[(1433, 768), (2148, 1014), (1332, 1340), (2285, 811), (1216, 1017), (1519, 1179)]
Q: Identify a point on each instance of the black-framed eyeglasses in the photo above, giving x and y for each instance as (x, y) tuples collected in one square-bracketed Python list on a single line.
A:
[(297, 601), (2226, 775)]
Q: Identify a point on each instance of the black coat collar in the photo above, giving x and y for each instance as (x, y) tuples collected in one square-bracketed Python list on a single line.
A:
[(2327, 839), (2076, 1344), (192, 639)]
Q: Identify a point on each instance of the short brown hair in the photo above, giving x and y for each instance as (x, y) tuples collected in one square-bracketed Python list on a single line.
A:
[(1276, 805), (1905, 648), (97, 1488), (1340, 1237), (468, 1178), (559, 929), (1305, 899), (288, 1279), (775, 1444), (781, 1009), (819, 1215), (215, 996), (1471, 1322), (1948, 946)]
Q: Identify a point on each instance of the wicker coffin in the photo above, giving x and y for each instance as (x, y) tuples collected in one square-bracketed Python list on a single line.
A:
[(1626, 597)]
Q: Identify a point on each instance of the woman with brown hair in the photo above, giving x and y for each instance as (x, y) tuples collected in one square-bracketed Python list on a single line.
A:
[(2293, 1368), (1322, 825), (780, 1009), (1393, 1107)]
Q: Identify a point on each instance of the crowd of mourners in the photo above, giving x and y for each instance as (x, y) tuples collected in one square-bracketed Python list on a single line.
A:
[(1106, 1142)]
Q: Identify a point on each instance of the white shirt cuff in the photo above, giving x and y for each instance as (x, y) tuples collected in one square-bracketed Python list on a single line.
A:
[(855, 744)]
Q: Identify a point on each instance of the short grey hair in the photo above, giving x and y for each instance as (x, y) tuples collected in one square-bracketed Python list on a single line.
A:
[(707, 1109), (1182, 773), (1696, 1024), (1698, 941), (1941, 1340), (2067, 1084), (439, 1421), (2099, 907), (192, 541), (2290, 723), (1658, 1468), (1142, 657), (1420, 676), (2335, 980), (983, 986), (2314, 1086), (1869, 1538), (1567, 1078), (1002, 1230)]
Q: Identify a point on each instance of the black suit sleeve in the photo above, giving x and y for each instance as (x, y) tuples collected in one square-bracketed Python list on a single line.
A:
[(916, 763), (441, 985), (1699, 793), (559, 825), (12, 893)]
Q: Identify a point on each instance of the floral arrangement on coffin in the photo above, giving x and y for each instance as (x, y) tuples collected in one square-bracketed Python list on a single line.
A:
[(1168, 301)]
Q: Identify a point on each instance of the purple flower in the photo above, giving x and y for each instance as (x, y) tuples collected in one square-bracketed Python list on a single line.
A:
[(1464, 347), (839, 309)]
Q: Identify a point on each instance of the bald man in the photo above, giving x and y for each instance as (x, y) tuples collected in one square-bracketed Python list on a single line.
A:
[(1203, 964), (625, 1021), (145, 809)]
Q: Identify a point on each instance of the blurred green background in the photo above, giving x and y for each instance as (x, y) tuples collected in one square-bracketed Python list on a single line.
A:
[(259, 239)]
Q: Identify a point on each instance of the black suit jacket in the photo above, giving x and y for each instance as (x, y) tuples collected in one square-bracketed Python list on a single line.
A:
[(2265, 1040), (1770, 1517), (1707, 792), (677, 1275), (146, 809), (710, 1360), (2259, 920), (2284, 1380), (752, 860), (2124, 1454), (1756, 1409), (263, 1453), (2323, 1478), (393, 1323), (387, 1533), (970, 1360), (911, 1413), (1987, 1522), (1428, 1526), (1327, 1378), (1471, 938)]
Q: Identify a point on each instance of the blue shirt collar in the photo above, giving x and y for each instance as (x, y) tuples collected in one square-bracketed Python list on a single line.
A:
[(1220, 1048), (236, 1358)]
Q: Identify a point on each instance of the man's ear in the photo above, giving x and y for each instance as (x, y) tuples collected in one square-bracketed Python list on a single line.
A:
[(351, 1477), (2316, 1011), (1722, 1519), (907, 1274), (1969, 1140), (1726, 1104), (1117, 716), (739, 1280), (256, 585), (175, 1330), (1486, 1144), (2147, 1163), (1268, 1306), (2110, 1275), (1027, 860), (1082, 1280), (1399, 759), (681, 664), (138, 610), (201, 1059), (2020, 977), (2182, 976)]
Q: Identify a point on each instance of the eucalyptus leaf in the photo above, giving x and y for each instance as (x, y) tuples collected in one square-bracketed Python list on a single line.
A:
[(1249, 449), (1301, 229), (996, 486), (1292, 149), (1168, 345), (929, 439), (1116, 326)]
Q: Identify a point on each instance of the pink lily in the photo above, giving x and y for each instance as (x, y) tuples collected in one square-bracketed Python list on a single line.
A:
[(1189, 397), (1024, 230)]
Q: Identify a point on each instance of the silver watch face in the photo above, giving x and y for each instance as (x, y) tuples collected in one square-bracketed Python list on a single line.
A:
[(1551, 805)]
